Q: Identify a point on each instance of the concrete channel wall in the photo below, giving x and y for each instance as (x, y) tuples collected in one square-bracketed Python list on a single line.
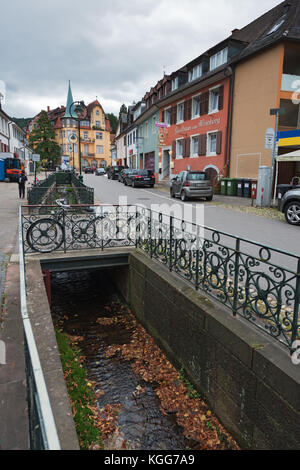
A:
[(248, 379), (44, 334)]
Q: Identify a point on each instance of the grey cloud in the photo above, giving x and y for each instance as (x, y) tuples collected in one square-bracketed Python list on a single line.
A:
[(116, 50)]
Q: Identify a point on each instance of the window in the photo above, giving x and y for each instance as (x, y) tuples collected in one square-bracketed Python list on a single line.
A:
[(99, 135), (212, 143), (85, 123), (153, 125), (218, 59), (174, 84), (146, 128), (85, 135), (133, 137), (196, 106), (86, 150), (97, 112), (168, 113), (214, 100), (97, 123), (195, 73), (99, 149), (179, 148), (194, 146), (180, 112)]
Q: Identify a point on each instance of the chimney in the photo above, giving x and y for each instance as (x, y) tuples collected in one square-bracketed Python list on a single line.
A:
[(48, 109), (234, 30)]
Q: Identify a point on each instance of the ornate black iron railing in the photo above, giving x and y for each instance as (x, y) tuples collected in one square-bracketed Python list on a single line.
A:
[(259, 283), (47, 189)]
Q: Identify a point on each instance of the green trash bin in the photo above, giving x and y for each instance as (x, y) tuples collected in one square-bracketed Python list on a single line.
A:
[(231, 187), (224, 186)]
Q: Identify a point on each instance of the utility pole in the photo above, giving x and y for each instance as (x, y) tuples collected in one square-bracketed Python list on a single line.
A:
[(274, 112)]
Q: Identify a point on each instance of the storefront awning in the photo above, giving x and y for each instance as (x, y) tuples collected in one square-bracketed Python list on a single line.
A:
[(289, 157)]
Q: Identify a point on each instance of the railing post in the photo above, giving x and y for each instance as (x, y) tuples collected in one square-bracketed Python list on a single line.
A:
[(296, 307), (137, 227), (64, 230), (236, 276), (171, 243), (150, 231), (197, 259)]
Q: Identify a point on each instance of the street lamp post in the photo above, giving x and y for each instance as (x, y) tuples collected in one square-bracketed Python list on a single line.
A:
[(274, 112), (78, 111)]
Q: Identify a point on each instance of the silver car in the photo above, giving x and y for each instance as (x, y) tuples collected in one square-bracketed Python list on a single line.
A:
[(290, 206), (191, 185)]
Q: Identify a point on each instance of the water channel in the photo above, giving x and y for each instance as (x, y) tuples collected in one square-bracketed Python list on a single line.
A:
[(79, 299)]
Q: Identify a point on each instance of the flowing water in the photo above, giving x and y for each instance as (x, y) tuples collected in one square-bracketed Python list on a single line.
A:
[(79, 299)]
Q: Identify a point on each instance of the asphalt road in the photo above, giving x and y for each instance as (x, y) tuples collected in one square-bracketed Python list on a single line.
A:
[(274, 233)]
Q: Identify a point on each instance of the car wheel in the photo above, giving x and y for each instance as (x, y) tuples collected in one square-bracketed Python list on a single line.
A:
[(133, 184), (292, 213), (183, 196), (172, 193)]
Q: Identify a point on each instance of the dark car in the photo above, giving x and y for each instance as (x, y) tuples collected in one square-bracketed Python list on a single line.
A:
[(88, 169), (191, 185), (113, 171), (100, 172), (290, 206), (140, 178), (122, 174)]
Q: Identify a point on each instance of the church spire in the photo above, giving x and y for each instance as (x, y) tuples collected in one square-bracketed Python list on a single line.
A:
[(69, 102)]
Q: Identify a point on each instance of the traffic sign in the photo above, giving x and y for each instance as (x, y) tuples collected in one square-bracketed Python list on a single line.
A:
[(269, 138), (36, 157)]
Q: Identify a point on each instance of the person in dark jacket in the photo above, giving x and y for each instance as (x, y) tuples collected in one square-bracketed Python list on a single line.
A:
[(21, 181)]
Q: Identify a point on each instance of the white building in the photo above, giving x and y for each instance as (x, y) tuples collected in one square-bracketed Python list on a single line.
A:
[(4, 131)]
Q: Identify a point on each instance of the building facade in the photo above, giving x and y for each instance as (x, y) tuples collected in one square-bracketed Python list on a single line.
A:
[(214, 112), (94, 134)]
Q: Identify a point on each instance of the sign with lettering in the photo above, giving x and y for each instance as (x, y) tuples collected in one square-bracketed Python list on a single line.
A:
[(269, 138)]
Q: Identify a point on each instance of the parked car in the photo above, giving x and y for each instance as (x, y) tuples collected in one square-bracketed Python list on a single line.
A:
[(100, 172), (113, 171), (191, 185), (290, 206), (88, 169), (139, 178), (122, 174)]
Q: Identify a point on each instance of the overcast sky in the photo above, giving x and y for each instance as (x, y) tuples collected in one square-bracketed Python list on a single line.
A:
[(115, 50)]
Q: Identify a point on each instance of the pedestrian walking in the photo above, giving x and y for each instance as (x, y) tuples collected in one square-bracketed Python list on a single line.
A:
[(21, 181)]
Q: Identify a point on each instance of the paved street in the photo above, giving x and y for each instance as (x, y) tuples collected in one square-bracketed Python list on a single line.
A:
[(275, 233)]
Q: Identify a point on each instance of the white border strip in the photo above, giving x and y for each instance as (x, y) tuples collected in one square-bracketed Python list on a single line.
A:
[(46, 410)]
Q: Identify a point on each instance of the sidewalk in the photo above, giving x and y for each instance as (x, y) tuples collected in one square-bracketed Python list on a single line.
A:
[(13, 404), (240, 204)]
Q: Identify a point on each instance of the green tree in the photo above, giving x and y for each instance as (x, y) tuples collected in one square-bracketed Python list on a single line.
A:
[(113, 122), (42, 139), (123, 109)]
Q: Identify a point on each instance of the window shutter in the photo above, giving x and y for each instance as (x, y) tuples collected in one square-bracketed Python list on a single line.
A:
[(202, 145), (221, 97), (173, 114), (219, 142), (187, 147), (174, 149), (183, 148), (188, 109), (204, 100)]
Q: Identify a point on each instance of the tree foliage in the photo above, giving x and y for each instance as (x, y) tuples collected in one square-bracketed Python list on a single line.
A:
[(42, 139), (113, 122), (123, 109)]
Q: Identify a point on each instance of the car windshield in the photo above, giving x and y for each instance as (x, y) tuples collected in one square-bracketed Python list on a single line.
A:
[(143, 172), (197, 176)]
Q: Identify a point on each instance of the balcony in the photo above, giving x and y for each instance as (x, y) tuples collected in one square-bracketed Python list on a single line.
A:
[(290, 82)]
